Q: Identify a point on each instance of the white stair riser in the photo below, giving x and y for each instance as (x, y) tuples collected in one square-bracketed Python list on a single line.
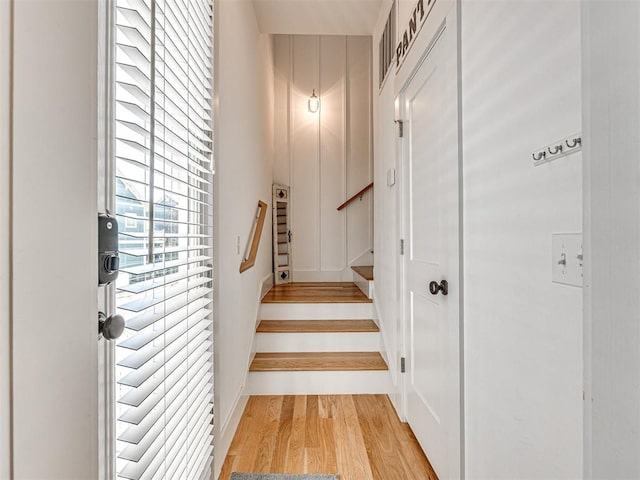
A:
[(365, 286), (318, 342), (319, 383), (315, 311)]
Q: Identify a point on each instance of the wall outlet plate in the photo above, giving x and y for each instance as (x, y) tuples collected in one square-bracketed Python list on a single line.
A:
[(566, 259)]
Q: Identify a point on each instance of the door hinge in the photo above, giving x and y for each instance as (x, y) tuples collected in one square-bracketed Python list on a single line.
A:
[(402, 365), (401, 246), (400, 128)]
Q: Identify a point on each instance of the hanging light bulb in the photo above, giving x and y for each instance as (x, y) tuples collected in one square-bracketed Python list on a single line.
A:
[(314, 102)]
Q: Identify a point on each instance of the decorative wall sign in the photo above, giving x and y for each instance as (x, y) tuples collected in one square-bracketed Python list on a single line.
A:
[(417, 19), (387, 45)]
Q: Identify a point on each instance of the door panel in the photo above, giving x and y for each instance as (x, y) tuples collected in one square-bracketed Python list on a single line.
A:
[(431, 225), (427, 354)]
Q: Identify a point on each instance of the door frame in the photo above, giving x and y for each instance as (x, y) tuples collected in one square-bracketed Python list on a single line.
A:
[(446, 13), (106, 203)]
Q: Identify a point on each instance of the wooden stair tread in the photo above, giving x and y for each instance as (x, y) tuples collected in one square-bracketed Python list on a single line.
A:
[(316, 292), (365, 272), (317, 361), (316, 326)]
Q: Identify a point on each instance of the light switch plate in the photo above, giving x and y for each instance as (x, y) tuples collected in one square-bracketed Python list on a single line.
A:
[(391, 177), (566, 259)]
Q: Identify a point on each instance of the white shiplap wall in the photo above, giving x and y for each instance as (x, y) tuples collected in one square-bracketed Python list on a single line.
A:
[(327, 156)]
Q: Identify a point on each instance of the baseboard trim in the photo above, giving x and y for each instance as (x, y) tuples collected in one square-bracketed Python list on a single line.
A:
[(344, 275), (384, 350), (227, 431), (320, 382), (267, 284)]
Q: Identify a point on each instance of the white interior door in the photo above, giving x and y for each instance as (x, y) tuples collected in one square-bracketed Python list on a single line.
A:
[(431, 229)]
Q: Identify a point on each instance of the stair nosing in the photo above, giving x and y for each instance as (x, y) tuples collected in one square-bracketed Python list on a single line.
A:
[(306, 368), (297, 326)]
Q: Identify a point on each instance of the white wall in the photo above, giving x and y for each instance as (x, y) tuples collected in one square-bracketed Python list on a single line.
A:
[(54, 240), (523, 353), (386, 207), (5, 235), (244, 136), (325, 157), (611, 73)]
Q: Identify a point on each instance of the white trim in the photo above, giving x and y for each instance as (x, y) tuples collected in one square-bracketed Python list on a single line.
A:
[(315, 311), (106, 202), (318, 342), (6, 52), (346, 137), (384, 346), (587, 341), (230, 424), (611, 216), (438, 21), (227, 431), (343, 275), (320, 383), (267, 284)]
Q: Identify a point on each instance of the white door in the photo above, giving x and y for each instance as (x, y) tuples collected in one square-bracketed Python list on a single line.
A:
[(431, 228)]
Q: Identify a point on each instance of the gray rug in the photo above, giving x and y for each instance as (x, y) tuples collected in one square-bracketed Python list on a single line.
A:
[(278, 476)]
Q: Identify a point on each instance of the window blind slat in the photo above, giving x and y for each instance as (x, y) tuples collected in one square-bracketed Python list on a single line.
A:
[(151, 284), (160, 250), (172, 331), (140, 304), (154, 267), (135, 434), (174, 383)]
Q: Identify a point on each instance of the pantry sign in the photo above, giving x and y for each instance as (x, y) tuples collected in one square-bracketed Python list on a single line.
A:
[(416, 20)]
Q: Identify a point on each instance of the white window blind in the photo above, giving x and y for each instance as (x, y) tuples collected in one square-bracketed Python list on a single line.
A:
[(163, 150)]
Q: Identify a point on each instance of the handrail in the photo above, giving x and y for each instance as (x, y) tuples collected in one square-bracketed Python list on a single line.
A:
[(250, 260), (359, 194)]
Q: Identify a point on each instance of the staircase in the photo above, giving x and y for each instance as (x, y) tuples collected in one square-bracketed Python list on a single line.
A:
[(363, 278), (317, 338)]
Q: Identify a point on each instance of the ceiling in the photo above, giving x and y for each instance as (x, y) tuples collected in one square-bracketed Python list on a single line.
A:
[(317, 17)]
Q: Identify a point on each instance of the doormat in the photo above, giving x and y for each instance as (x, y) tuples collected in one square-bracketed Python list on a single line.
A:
[(278, 476)]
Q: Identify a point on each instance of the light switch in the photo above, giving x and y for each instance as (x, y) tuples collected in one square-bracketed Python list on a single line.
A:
[(391, 177), (566, 258)]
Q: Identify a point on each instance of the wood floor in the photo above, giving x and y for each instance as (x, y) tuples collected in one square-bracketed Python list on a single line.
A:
[(316, 292), (316, 361), (365, 272), (316, 326), (358, 437)]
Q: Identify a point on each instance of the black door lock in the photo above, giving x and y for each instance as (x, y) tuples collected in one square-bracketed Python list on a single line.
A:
[(108, 259)]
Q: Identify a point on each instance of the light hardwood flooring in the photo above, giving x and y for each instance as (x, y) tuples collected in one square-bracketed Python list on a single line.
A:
[(316, 326), (365, 272), (316, 292), (316, 361), (358, 437)]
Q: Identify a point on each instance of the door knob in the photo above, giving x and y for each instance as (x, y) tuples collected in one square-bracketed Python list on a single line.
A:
[(110, 327), (435, 287)]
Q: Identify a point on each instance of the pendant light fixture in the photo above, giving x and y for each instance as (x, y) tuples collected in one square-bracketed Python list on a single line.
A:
[(314, 102)]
